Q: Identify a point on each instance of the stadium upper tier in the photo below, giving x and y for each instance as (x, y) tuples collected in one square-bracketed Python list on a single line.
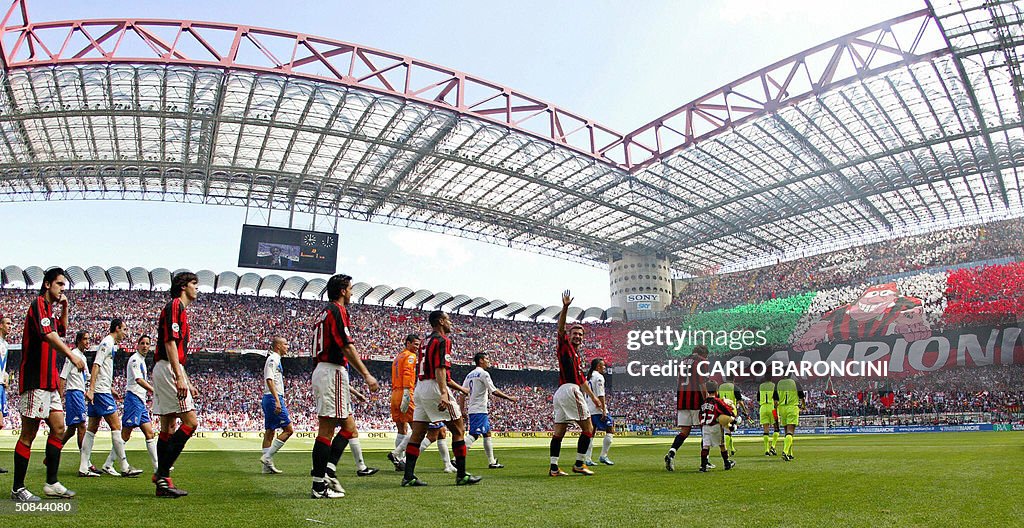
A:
[(159, 279), (908, 125)]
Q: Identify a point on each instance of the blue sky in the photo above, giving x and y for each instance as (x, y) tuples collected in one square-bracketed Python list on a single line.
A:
[(619, 63)]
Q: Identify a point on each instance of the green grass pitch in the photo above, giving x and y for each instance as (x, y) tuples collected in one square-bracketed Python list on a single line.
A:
[(945, 479)]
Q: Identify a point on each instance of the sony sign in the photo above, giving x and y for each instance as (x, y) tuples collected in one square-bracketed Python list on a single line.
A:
[(643, 297)]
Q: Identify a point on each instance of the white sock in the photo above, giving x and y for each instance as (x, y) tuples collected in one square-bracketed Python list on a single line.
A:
[(399, 451), (489, 450), (86, 452), (606, 445), (265, 449), (424, 444), (399, 438), (554, 460), (442, 447), (151, 447), (110, 458), (357, 453), (118, 449), (590, 450), (275, 446), (469, 441), (579, 456)]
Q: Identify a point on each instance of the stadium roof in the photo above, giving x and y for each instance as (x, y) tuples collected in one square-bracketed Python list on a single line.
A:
[(116, 278), (911, 124)]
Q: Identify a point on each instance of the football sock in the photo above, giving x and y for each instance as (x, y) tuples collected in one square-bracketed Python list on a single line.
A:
[(90, 437), (704, 457), (582, 446), (489, 450), (275, 446), (460, 458), (442, 448), (338, 446), (22, 453), (321, 455), (556, 449), (469, 439), (424, 444), (53, 447), (175, 445), (357, 453), (605, 446), (725, 456), (766, 441), (788, 445), (412, 453), (677, 442), (728, 442), (151, 447), (110, 458), (117, 450), (399, 451), (163, 446), (590, 451), (775, 439)]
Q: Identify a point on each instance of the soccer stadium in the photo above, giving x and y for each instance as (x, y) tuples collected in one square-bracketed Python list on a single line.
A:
[(857, 203)]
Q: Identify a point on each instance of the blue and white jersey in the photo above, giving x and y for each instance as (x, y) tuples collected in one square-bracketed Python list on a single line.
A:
[(480, 386), (597, 385), (273, 371), (74, 379), (105, 359), (135, 370), (3, 363)]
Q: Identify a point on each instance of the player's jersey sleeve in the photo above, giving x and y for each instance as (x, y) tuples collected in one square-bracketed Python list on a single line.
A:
[(171, 321), (268, 369), (42, 322), (134, 370), (102, 353), (338, 327), (488, 382), (64, 372), (597, 384)]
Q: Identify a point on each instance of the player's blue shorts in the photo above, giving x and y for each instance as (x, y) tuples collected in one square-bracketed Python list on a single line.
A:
[(135, 411), (74, 407), (3, 400), (272, 420), (102, 405), (601, 422), (435, 425), (479, 424)]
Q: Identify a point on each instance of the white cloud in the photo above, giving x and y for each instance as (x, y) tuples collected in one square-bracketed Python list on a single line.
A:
[(436, 250)]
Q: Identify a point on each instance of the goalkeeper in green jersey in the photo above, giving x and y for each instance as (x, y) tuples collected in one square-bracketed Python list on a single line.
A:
[(769, 415), (729, 391), (790, 400)]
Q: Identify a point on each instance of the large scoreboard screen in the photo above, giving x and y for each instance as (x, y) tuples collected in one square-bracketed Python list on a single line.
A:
[(284, 249)]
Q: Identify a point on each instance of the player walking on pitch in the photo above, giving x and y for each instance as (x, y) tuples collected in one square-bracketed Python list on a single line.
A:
[(790, 400), (173, 393), (403, 385), (728, 391), (569, 403), (76, 415), (715, 418), (601, 421), (433, 402), (135, 412), (275, 412), (480, 387), (102, 404), (37, 381), (769, 414), (334, 348), (691, 394)]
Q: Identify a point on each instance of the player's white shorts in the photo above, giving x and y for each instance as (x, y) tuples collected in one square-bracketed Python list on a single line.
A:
[(427, 397), (165, 392), (711, 435), (331, 391), (570, 405), (39, 403), (688, 418)]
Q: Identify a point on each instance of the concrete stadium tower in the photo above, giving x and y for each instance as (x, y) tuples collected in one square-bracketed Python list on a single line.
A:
[(641, 284)]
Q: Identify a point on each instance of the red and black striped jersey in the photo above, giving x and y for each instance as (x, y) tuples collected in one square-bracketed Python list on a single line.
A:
[(692, 387), (38, 368), (331, 335), (843, 327), (570, 364), (711, 409), (172, 325), (436, 353)]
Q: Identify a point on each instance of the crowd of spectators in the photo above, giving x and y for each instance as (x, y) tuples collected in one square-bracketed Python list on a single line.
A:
[(850, 267)]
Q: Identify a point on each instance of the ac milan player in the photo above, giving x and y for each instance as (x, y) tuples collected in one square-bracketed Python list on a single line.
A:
[(692, 392), (173, 393), (334, 349), (37, 381), (435, 404), (569, 403), (5, 328)]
